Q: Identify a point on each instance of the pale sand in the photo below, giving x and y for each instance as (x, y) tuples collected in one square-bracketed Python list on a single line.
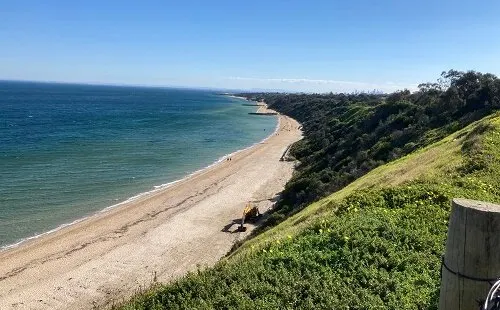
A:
[(263, 108), (111, 255)]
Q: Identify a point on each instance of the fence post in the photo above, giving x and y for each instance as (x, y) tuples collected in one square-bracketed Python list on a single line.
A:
[(472, 259)]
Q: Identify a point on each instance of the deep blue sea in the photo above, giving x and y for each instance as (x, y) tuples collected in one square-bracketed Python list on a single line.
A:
[(69, 151)]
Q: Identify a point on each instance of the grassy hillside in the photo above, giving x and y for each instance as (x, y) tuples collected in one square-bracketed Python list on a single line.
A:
[(375, 244), (348, 135)]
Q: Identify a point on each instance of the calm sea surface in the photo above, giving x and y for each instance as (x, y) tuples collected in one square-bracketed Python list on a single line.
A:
[(68, 151)]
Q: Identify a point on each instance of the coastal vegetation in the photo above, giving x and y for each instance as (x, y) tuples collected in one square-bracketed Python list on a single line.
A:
[(363, 222), (347, 135)]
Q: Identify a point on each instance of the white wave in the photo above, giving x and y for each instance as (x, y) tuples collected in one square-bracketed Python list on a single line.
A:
[(9, 246)]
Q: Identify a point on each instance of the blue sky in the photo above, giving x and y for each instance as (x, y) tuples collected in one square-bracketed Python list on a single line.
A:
[(288, 45)]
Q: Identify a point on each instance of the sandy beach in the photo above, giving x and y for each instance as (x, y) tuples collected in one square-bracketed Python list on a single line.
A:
[(161, 236)]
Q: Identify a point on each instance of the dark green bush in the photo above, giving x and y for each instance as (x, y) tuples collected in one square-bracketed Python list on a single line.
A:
[(348, 135)]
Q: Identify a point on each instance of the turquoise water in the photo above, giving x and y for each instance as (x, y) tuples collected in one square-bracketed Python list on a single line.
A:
[(68, 151)]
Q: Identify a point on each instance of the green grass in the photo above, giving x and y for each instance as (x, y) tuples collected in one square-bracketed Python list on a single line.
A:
[(376, 244), (433, 161)]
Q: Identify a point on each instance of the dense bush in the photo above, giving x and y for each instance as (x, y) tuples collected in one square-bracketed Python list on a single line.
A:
[(347, 135)]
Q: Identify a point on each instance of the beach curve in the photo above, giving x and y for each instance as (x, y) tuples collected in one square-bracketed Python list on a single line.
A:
[(159, 236)]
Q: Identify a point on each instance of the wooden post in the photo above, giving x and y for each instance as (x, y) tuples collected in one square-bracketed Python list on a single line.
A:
[(472, 255)]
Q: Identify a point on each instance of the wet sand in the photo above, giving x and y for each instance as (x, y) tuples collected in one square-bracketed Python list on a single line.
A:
[(161, 236)]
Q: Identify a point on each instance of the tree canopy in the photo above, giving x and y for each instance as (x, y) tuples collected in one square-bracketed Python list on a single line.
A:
[(347, 135)]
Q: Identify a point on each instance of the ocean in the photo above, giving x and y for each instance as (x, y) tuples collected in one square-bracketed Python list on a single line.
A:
[(68, 151)]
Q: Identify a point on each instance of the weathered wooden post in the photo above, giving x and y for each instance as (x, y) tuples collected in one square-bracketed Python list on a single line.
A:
[(472, 260)]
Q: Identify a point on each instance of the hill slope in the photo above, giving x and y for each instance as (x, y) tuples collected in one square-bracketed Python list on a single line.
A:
[(348, 135), (375, 244)]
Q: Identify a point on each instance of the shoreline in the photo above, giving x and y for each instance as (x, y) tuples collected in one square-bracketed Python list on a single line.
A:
[(86, 259), (237, 97), (131, 199)]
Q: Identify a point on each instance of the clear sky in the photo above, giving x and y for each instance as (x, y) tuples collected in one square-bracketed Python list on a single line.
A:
[(289, 45)]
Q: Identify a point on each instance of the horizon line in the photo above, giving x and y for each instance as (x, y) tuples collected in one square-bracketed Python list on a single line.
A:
[(207, 88)]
